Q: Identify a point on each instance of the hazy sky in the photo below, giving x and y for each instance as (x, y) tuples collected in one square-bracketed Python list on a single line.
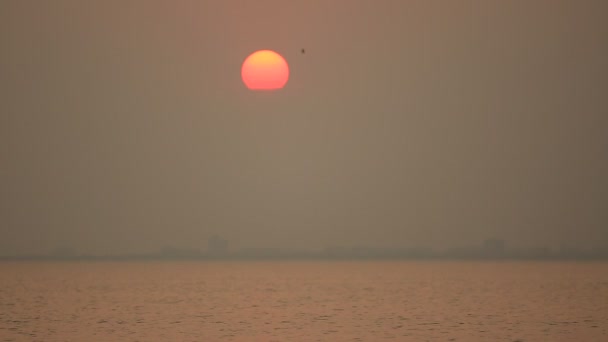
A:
[(125, 125)]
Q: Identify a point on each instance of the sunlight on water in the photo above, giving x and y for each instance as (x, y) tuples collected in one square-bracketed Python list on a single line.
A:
[(303, 301)]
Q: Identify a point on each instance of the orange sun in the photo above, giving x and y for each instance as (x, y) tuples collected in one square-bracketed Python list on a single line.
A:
[(265, 70)]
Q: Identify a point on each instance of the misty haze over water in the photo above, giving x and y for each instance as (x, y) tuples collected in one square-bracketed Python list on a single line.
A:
[(432, 170), (126, 129)]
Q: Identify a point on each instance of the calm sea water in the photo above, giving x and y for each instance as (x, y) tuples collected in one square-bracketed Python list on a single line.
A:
[(303, 301)]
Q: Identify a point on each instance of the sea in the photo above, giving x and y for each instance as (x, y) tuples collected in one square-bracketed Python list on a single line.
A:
[(303, 301)]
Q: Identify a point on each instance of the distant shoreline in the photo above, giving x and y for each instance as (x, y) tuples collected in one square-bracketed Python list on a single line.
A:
[(301, 258)]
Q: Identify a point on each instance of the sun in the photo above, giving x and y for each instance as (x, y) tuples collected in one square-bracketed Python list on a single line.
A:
[(265, 70)]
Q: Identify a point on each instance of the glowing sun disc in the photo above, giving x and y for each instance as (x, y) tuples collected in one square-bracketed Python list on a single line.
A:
[(265, 70)]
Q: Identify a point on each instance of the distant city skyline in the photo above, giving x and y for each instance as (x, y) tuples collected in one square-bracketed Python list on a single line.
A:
[(218, 248)]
